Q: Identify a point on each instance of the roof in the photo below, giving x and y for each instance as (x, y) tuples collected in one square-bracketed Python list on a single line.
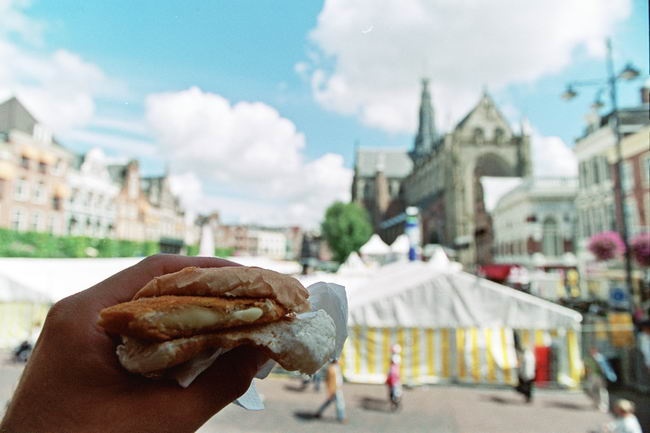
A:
[(14, 115), (485, 103), (416, 294), (394, 162)]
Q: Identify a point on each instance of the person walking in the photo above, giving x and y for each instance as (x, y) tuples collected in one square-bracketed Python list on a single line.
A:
[(394, 384), (643, 342), (334, 385), (598, 371), (526, 372)]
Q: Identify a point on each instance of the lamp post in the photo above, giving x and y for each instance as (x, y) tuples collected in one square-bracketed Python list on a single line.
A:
[(628, 73)]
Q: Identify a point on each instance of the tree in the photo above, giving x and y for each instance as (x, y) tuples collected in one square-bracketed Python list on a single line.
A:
[(346, 228)]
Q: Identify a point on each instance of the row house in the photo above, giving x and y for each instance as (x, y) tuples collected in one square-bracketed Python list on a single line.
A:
[(282, 243), (599, 208), (47, 188), (597, 157), (33, 173), (91, 206)]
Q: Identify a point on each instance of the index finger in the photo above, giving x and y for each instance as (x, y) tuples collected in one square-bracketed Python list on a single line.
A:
[(122, 286)]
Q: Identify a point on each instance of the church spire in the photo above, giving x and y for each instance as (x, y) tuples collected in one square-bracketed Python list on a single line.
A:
[(426, 136)]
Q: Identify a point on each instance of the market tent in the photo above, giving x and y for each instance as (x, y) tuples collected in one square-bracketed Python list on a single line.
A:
[(353, 265), (28, 287), (453, 326), (22, 311)]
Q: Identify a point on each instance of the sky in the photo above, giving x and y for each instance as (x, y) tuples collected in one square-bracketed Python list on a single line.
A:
[(255, 106)]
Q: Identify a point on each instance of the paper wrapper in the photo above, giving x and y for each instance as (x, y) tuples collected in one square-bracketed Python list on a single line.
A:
[(322, 296)]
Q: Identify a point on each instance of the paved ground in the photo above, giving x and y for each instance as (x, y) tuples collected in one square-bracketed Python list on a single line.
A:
[(448, 409)]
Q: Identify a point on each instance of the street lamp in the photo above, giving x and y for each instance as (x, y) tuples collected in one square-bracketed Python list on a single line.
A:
[(628, 73)]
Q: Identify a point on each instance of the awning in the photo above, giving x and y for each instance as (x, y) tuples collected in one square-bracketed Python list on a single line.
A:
[(61, 191), (29, 152), (47, 158), (7, 170)]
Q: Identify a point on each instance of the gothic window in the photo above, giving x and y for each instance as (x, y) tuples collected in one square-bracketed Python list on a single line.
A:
[(478, 136), (550, 237), (499, 135)]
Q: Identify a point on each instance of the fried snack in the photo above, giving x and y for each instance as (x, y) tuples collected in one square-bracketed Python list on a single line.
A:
[(175, 317)]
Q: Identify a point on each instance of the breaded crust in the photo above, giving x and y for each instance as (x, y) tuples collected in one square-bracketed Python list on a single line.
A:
[(301, 344), (231, 281), (168, 317)]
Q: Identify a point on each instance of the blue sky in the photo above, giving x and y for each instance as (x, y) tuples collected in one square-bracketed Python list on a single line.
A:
[(255, 106)]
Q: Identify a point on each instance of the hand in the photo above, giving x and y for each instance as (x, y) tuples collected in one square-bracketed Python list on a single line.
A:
[(73, 381)]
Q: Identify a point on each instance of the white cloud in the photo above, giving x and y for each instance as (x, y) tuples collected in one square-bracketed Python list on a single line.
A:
[(119, 144), (249, 149), (461, 46), (552, 157), (58, 87)]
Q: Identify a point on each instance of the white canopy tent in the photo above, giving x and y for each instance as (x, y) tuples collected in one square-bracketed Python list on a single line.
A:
[(453, 326), (353, 265), (28, 287)]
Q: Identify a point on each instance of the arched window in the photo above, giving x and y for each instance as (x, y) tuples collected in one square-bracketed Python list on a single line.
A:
[(479, 136), (499, 135), (550, 237)]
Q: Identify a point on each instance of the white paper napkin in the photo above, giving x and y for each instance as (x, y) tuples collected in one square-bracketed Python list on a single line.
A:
[(322, 296)]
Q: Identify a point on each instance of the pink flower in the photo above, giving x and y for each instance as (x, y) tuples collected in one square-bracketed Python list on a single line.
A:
[(606, 245), (640, 248)]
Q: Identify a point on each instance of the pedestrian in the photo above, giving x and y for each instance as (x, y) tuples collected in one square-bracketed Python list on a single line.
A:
[(526, 372), (334, 385), (394, 384), (643, 342), (598, 372), (74, 383), (625, 421)]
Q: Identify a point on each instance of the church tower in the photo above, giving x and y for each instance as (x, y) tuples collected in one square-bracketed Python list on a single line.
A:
[(426, 136)]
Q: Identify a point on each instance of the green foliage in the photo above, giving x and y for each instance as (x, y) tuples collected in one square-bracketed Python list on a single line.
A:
[(346, 228), (45, 245), (223, 252)]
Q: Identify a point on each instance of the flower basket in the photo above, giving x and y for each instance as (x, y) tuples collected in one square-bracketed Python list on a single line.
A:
[(606, 245)]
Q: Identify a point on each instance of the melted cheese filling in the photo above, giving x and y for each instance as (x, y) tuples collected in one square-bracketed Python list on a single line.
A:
[(193, 318)]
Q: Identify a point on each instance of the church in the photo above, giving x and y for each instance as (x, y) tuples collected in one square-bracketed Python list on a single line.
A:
[(440, 176)]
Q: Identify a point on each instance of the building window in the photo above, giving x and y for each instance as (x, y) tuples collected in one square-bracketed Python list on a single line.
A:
[(24, 162), (631, 217), (21, 190), (18, 220), (498, 135), (596, 169), (42, 167), (39, 192), (56, 203), (646, 170), (479, 136), (627, 180), (37, 218), (550, 238)]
